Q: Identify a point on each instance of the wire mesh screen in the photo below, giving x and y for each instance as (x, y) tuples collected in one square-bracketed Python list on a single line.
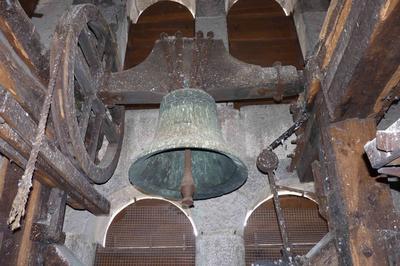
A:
[(149, 232), (262, 238)]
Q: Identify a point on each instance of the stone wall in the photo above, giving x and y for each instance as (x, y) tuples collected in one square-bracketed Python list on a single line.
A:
[(218, 222)]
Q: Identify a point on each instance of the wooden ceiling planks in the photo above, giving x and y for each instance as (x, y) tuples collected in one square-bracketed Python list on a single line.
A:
[(165, 16), (261, 34)]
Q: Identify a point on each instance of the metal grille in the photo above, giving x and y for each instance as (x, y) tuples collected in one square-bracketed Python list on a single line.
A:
[(149, 232), (304, 225)]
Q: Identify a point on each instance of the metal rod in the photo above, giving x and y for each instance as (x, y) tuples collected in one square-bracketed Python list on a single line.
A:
[(281, 220), (267, 162), (187, 184), (303, 118)]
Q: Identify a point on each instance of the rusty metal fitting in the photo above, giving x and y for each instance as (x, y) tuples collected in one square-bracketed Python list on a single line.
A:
[(267, 161)]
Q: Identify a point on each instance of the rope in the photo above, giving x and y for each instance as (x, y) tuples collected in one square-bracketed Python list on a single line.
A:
[(25, 184)]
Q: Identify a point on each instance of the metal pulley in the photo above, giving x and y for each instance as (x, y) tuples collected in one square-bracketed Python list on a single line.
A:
[(188, 157)]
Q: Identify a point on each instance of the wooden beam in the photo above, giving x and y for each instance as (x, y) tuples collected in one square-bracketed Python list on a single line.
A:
[(18, 79), (16, 247), (205, 64), (309, 140), (354, 71), (4, 162), (358, 58), (49, 227), (72, 180), (27, 247), (24, 38), (360, 208)]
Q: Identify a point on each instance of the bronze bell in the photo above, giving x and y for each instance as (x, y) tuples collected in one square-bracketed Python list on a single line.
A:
[(188, 157)]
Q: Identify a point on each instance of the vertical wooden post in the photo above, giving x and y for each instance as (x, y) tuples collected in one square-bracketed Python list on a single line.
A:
[(16, 247), (360, 208), (26, 252)]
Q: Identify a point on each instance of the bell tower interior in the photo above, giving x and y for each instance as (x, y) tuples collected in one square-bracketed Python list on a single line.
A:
[(199, 132)]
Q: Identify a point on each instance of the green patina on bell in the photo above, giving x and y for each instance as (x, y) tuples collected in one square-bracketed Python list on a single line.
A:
[(188, 122)]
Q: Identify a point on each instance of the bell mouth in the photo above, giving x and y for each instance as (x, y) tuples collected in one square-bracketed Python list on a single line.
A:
[(214, 173)]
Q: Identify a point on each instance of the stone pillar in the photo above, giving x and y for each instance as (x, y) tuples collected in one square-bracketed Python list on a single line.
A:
[(308, 17), (224, 248), (50, 12), (115, 13), (211, 16)]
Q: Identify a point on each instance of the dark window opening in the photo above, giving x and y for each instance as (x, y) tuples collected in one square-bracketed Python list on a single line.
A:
[(305, 228), (149, 232), (29, 7), (260, 33), (165, 16)]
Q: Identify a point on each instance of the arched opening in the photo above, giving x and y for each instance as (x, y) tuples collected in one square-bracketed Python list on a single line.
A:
[(164, 16), (305, 227), (260, 33), (148, 232)]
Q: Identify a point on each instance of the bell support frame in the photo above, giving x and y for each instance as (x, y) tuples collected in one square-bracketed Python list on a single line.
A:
[(203, 63)]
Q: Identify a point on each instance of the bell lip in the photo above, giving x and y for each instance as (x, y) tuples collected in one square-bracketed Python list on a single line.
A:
[(241, 169)]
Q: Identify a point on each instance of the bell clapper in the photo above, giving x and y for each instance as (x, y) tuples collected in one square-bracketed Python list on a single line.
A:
[(187, 184)]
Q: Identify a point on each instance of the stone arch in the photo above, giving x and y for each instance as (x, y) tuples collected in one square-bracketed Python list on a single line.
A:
[(136, 7), (304, 225), (149, 230), (287, 5), (119, 204), (281, 193)]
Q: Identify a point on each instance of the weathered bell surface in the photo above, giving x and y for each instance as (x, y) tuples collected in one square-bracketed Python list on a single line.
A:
[(188, 126)]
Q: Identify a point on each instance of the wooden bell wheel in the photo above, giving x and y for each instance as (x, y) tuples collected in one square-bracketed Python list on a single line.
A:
[(88, 132)]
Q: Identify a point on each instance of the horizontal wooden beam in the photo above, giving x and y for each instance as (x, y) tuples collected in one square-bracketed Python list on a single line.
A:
[(48, 227), (201, 63), (72, 180)]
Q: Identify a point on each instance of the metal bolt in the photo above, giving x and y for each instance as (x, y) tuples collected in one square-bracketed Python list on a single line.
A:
[(366, 250)]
